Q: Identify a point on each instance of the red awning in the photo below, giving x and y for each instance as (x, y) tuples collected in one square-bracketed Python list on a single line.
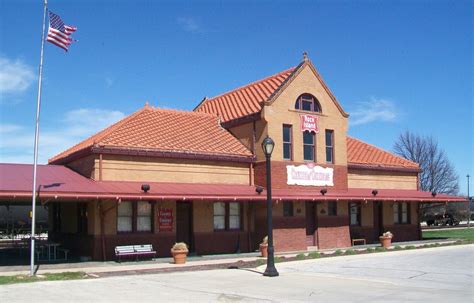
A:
[(61, 183)]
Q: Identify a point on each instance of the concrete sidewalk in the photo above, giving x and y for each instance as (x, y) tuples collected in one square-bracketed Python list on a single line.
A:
[(166, 264)]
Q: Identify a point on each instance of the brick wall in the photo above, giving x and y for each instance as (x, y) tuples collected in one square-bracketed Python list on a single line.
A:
[(279, 177), (333, 232)]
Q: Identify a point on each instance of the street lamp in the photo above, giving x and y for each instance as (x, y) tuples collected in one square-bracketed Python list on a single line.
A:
[(468, 204), (270, 271)]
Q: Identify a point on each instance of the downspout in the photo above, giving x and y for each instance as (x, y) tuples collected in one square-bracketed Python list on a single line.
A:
[(100, 167)]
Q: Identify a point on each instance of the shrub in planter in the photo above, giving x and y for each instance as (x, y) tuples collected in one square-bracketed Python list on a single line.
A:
[(386, 239), (179, 251), (350, 252), (379, 249), (314, 255), (264, 247), (300, 256), (338, 252)]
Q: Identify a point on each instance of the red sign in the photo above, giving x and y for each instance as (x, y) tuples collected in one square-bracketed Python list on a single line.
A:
[(309, 123), (165, 219)]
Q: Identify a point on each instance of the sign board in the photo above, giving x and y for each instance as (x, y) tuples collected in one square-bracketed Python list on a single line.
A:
[(165, 219), (309, 175), (309, 123)]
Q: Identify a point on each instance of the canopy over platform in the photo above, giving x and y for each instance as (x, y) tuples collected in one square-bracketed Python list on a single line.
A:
[(58, 182)]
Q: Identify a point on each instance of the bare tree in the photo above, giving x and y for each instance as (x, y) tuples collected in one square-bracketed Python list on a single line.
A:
[(437, 172)]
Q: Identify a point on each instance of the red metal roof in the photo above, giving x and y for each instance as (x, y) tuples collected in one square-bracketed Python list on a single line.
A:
[(152, 130), (59, 182), (244, 101), (369, 156)]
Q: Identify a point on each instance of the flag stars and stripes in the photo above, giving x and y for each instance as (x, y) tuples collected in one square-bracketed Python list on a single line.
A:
[(59, 34)]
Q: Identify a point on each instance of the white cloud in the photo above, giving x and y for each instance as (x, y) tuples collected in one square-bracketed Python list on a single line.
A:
[(374, 110), (8, 128), (17, 142), (15, 76), (189, 24)]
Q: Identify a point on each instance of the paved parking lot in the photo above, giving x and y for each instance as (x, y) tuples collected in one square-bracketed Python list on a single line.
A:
[(428, 275)]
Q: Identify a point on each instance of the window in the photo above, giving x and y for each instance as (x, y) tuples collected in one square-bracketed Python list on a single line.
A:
[(287, 209), (287, 142), (144, 211), (354, 211), (332, 208), (401, 214), (308, 146), (307, 102), (329, 146), (227, 216), (134, 216)]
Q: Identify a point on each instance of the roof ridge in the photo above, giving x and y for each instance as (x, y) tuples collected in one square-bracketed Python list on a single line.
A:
[(247, 85), (381, 149), (182, 111), (106, 131)]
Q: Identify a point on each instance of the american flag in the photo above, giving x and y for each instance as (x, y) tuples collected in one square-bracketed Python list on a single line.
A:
[(58, 33)]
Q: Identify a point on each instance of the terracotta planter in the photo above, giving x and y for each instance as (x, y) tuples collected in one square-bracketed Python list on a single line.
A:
[(264, 250), (179, 256), (385, 241)]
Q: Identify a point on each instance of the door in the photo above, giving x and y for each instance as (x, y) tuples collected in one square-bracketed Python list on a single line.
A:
[(378, 220), (184, 223), (311, 224), (82, 218)]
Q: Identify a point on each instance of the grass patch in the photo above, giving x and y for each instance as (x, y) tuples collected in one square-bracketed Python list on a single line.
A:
[(350, 252), (410, 247), (464, 234), (397, 247), (380, 249), (45, 277), (370, 250), (300, 256), (338, 252), (314, 255)]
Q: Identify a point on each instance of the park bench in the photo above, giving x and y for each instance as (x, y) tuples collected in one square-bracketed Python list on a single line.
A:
[(128, 251), (359, 240)]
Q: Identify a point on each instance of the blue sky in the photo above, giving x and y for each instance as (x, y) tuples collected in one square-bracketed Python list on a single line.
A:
[(393, 65)]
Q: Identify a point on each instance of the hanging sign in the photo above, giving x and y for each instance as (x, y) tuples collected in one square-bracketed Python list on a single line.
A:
[(165, 219), (309, 123), (309, 175)]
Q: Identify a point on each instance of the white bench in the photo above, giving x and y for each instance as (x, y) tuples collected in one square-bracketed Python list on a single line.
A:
[(126, 251)]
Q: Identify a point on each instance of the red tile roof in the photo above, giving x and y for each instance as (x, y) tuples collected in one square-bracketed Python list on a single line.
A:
[(152, 130), (361, 154), (246, 100)]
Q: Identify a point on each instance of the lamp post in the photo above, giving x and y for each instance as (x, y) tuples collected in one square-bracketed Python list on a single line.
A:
[(468, 204), (270, 271)]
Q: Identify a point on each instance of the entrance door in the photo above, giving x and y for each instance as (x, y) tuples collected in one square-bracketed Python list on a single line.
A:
[(184, 223), (311, 224), (378, 220)]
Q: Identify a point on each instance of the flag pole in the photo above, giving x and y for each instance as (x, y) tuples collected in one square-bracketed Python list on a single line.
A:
[(35, 161)]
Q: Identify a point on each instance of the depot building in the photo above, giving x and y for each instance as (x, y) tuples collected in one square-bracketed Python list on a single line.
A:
[(162, 176)]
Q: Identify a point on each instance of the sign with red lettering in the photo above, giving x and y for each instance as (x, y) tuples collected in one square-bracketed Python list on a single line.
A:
[(309, 175), (309, 123), (165, 219)]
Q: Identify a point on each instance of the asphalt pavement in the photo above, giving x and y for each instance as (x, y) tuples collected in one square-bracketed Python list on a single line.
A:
[(441, 274)]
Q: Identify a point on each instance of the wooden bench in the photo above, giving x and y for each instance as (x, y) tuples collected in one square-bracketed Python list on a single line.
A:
[(126, 251), (361, 240)]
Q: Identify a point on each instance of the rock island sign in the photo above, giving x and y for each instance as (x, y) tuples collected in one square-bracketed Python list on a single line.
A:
[(309, 175)]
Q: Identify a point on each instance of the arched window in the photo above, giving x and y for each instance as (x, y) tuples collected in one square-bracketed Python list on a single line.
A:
[(308, 102)]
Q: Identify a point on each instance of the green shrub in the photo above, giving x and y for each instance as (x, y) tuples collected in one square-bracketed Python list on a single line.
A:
[(338, 252), (370, 250), (314, 255), (397, 247), (410, 247), (350, 252), (300, 256), (380, 249), (279, 259)]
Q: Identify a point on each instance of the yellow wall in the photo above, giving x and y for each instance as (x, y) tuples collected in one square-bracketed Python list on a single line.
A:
[(282, 111), (244, 133), (87, 166), (123, 168), (381, 180)]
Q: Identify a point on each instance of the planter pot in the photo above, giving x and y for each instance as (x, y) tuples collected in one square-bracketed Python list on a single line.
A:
[(179, 256), (385, 241), (264, 250)]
